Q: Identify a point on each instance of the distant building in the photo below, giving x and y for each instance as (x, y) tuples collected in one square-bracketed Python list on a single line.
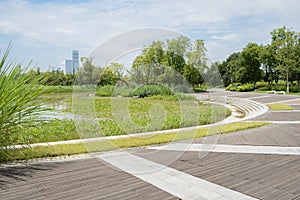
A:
[(71, 66), (55, 69), (75, 58)]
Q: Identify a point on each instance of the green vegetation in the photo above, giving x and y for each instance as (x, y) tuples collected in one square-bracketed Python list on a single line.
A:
[(18, 105), (65, 150), (143, 117), (273, 63), (152, 90), (280, 106)]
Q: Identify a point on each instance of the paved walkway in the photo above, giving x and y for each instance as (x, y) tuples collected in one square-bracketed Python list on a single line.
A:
[(262, 163)]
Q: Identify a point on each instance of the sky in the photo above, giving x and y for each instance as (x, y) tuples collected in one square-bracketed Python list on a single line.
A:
[(46, 32)]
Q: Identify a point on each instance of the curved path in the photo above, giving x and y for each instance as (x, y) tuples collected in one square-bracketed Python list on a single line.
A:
[(260, 163)]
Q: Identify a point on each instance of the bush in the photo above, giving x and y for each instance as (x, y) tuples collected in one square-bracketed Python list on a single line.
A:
[(110, 90), (262, 84), (234, 88), (152, 90), (123, 91), (295, 89), (202, 89), (105, 91), (57, 89), (18, 100), (246, 88)]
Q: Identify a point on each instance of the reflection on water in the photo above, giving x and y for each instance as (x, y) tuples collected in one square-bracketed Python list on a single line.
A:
[(56, 110)]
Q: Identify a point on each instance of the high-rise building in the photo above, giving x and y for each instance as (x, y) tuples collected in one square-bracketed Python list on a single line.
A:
[(72, 66), (75, 58), (69, 67)]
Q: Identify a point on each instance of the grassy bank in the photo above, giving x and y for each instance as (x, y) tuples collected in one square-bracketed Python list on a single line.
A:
[(60, 150)]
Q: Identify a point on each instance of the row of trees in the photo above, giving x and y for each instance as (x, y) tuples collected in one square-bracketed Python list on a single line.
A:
[(88, 74), (176, 62), (182, 61), (278, 60), (179, 61)]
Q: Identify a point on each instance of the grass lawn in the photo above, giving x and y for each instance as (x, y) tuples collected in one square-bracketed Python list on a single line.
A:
[(279, 106), (119, 116)]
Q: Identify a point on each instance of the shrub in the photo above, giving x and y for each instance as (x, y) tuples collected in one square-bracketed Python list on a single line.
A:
[(57, 89), (19, 107), (105, 91), (246, 87), (152, 90), (262, 84), (295, 89), (234, 88), (202, 89), (123, 91)]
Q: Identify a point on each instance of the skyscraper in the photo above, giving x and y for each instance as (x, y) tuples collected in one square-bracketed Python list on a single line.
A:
[(69, 67), (75, 58), (72, 66)]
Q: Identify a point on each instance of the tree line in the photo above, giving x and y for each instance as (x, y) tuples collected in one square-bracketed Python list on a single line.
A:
[(278, 60), (181, 61)]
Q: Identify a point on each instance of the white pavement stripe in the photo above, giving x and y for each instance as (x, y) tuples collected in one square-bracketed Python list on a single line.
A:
[(258, 97), (283, 122), (230, 148), (177, 183), (284, 101), (287, 111)]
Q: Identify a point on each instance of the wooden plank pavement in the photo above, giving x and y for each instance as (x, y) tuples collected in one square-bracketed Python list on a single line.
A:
[(260, 176)]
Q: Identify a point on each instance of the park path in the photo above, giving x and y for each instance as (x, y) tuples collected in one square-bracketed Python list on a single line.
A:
[(242, 165)]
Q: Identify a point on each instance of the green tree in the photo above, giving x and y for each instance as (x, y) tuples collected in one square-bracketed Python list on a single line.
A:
[(179, 46), (250, 70), (197, 60), (212, 75), (88, 74), (268, 61), (111, 74), (148, 66), (229, 69), (285, 42)]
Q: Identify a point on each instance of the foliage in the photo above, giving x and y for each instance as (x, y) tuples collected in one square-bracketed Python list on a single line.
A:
[(57, 89), (18, 95), (110, 90), (245, 88), (52, 78), (111, 74), (279, 60), (286, 43), (54, 130), (88, 74), (105, 91), (233, 86), (229, 69), (152, 90), (203, 88), (179, 62), (250, 64)]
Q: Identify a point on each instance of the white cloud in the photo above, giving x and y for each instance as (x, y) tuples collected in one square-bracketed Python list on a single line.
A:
[(228, 37), (87, 24)]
